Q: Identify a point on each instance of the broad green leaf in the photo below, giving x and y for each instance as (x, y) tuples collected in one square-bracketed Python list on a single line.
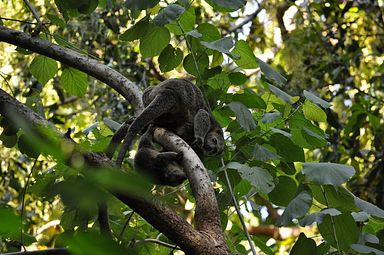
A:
[(304, 246), (74, 81), (10, 222), (154, 41), (194, 33), (247, 59), (318, 216), (43, 68), (304, 133), (56, 20), (222, 45), (369, 208), (262, 245), (209, 32), (327, 173), (196, 65), (226, 5), (136, 5), (313, 112), (297, 208), (219, 81), (343, 227), (168, 14), (263, 154), (88, 6), (289, 151), (243, 116), (271, 73), (237, 78), (260, 178), (286, 186), (170, 58), (281, 94), (184, 23), (137, 31), (335, 197), (250, 99), (315, 99)]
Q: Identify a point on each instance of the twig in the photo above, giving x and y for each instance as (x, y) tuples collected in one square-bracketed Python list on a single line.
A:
[(246, 20), (238, 210), (125, 226), (39, 25), (17, 20), (157, 241)]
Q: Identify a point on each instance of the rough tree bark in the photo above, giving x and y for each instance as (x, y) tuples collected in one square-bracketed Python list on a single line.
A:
[(207, 236)]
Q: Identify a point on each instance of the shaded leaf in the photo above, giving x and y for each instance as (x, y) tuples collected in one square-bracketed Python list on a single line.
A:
[(227, 5), (263, 154), (154, 41), (170, 58), (315, 99), (281, 94), (222, 45), (168, 14), (304, 246), (271, 73), (136, 5), (328, 173), (297, 208), (243, 116), (286, 148), (186, 20), (318, 217), (286, 186), (369, 208)]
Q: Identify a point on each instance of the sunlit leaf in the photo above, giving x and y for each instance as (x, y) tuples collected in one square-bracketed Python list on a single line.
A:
[(154, 41), (74, 81), (247, 59), (313, 112), (43, 68)]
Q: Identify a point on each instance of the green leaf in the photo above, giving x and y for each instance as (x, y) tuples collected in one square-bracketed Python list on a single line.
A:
[(286, 186), (318, 216), (186, 21), (343, 227), (315, 99), (270, 117), (8, 141), (219, 81), (286, 148), (328, 173), (260, 178), (237, 78), (154, 41), (363, 249), (281, 94), (10, 222), (247, 59), (202, 62), (304, 246), (170, 58), (335, 197), (136, 5), (56, 20), (209, 32), (226, 5), (222, 45), (43, 68), (313, 138), (263, 154), (243, 116), (369, 208), (250, 99), (271, 73), (262, 245), (297, 208), (74, 81), (137, 31), (194, 34), (313, 112), (168, 14), (88, 6)]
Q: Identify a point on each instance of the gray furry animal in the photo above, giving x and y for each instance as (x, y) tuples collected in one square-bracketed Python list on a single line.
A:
[(162, 168), (178, 106)]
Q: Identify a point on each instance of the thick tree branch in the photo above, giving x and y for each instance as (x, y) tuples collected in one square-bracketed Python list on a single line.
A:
[(74, 59), (207, 239), (207, 218)]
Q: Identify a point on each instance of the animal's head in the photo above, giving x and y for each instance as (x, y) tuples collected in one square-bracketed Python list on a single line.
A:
[(174, 174), (214, 142)]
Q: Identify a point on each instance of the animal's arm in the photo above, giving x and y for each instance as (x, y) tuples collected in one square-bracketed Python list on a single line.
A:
[(166, 157), (201, 126), (160, 105)]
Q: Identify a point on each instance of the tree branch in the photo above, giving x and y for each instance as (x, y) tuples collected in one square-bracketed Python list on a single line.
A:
[(105, 74), (39, 25), (208, 239)]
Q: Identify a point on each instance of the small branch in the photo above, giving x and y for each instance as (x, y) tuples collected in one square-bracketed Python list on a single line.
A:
[(39, 25), (56, 251), (245, 21), (157, 241), (238, 210), (17, 20), (105, 74)]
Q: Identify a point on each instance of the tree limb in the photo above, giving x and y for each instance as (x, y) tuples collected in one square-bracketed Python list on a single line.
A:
[(112, 78), (206, 239)]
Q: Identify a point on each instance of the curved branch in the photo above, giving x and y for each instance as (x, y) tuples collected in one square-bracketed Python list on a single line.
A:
[(207, 219), (74, 59), (208, 239)]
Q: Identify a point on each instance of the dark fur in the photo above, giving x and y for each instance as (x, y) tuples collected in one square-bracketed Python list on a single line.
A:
[(178, 106), (161, 167)]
